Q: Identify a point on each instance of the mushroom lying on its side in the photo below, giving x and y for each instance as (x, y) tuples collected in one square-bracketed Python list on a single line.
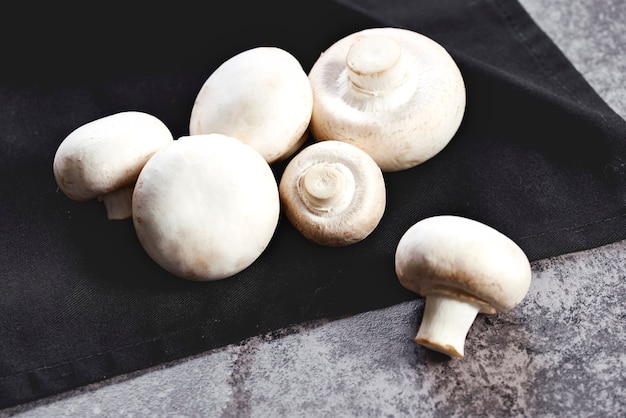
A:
[(261, 96), (103, 158), (462, 267), (333, 193), (394, 93), (205, 207)]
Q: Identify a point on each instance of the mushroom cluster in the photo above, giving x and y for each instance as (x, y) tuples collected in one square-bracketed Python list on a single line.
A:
[(205, 206)]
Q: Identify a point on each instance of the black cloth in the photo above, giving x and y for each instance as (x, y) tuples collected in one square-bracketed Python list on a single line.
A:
[(539, 156)]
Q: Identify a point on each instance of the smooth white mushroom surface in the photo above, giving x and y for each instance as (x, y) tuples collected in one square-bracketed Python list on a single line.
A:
[(462, 267), (333, 193), (394, 93), (102, 158), (261, 96), (205, 207)]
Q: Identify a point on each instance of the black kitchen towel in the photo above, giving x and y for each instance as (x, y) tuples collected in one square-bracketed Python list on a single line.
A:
[(539, 156)]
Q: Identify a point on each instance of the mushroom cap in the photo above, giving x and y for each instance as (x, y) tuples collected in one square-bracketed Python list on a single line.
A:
[(107, 154), (260, 96), (464, 258), (205, 207), (333, 193), (394, 93)]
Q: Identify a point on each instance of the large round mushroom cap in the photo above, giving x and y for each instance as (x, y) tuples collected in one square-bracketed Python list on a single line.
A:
[(465, 258), (261, 96), (206, 207), (333, 193), (107, 154), (394, 93)]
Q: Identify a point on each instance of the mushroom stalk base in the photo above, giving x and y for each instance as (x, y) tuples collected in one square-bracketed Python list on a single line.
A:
[(118, 203), (445, 324)]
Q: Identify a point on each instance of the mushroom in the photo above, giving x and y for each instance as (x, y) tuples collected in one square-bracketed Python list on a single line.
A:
[(394, 93), (333, 193), (462, 267), (102, 158), (205, 207), (260, 96)]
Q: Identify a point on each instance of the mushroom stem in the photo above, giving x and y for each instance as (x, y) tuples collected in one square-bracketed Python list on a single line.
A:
[(325, 187), (446, 322), (118, 203), (377, 76), (375, 66)]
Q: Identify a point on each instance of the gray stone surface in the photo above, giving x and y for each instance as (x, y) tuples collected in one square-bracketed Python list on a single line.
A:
[(559, 353)]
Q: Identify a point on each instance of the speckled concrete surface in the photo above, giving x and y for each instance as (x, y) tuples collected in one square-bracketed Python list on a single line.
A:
[(559, 353)]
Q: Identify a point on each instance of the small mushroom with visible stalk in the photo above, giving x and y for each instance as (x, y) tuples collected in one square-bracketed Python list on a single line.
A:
[(102, 158), (462, 267), (261, 96), (392, 92), (333, 193), (205, 207)]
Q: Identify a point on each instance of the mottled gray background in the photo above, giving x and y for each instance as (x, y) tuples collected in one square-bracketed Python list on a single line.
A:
[(560, 353)]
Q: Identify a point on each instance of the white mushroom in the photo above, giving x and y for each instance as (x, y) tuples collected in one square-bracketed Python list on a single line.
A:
[(102, 158), (260, 96), (462, 267), (205, 207), (392, 92), (333, 193)]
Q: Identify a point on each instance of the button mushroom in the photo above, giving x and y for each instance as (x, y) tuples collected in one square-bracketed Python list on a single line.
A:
[(102, 158), (205, 207), (392, 92), (333, 193), (260, 96), (462, 267)]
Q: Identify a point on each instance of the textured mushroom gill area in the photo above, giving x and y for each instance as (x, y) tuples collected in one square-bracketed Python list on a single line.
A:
[(338, 225), (326, 188), (346, 196)]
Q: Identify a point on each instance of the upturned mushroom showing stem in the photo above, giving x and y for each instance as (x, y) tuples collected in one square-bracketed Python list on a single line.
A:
[(462, 267), (102, 159), (333, 193), (394, 93)]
